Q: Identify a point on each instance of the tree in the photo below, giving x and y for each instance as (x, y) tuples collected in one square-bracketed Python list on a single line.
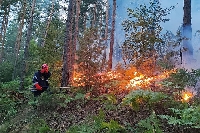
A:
[(26, 49), (187, 48), (143, 34), (19, 36), (106, 31), (112, 35), (90, 57), (4, 24), (76, 35), (48, 23), (68, 41)]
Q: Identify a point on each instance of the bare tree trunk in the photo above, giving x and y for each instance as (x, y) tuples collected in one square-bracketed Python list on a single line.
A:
[(19, 37), (106, 33), (187, 32), (76, 33), (67, 45), (28, 38), (48, 23), (112, 35), (3, 32)]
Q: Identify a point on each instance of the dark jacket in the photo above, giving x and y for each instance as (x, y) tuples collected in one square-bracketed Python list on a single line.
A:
[(41, 79)]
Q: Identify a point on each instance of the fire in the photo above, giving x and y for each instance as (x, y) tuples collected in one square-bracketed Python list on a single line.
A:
[(143, 81), (188, 94), (124, 79), (139, 81)]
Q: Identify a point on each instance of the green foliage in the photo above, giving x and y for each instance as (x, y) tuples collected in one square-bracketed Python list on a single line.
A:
[(97, 125), (89, 126), (141, 97), (182, 78), (6, 70), (112, 126), (10, 40), (9, 100), (48, 102), (90, 57), (39, 126), (187, 117), (149, 125), (109, 101), (143, 33)]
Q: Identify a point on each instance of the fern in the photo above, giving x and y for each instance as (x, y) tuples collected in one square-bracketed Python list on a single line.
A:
[(141, 97), (188, 117), (149, 125)]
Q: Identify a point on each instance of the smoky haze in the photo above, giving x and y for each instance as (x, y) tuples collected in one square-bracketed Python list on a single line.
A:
[(175, 22)]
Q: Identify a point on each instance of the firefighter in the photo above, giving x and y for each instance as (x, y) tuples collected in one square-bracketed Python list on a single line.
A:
[(40, 80)]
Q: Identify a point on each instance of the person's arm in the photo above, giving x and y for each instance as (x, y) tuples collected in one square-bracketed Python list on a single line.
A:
[(35, 82), (35, 78)]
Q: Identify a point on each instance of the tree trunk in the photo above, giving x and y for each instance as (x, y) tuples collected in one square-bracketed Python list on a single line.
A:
[(28, 38), (106, 33), (112, 36), (48, 23), (76, 33), (67, 45), (19, 37), (3, 31), (187, 32)]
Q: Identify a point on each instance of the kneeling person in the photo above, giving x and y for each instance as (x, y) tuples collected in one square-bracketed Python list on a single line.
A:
[(40, 80)]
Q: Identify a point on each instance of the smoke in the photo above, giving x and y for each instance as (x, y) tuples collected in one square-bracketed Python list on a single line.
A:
[(175, 22)]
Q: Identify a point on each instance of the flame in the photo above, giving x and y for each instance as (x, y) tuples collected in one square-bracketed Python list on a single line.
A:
[(143, 81), (139, 81), (126, 79), (186, 96), (188, 93)]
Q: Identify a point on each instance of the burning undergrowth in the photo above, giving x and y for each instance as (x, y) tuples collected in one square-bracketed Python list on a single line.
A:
[(121, 81)]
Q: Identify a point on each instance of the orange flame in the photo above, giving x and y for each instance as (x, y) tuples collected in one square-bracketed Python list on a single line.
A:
[(186, 96), (128, 79)]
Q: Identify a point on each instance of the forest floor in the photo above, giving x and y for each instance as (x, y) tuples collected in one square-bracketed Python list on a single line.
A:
[(59, 114)]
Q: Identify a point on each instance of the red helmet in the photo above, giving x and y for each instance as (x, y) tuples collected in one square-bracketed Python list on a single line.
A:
[(44, 66), (44, 69)]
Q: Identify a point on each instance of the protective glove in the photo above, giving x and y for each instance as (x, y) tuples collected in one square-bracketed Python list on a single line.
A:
[(38, 87), (44, 70)]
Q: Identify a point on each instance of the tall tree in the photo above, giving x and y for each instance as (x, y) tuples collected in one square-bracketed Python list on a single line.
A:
[(187, 32), (112, 35), (48, 23), (143, 35), (26, 49), (67, 45), (19, 36), (76, 35), (4, 24), (106, 32)]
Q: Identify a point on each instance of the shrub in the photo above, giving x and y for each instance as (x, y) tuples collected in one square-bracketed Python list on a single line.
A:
[(142, 97)]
